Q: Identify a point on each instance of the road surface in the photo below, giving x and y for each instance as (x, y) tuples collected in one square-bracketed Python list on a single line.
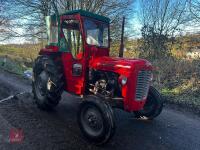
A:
[(58, 129)]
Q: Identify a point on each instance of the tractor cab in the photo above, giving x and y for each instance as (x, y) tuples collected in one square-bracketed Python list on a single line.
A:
[(81, 36), (80, 32)]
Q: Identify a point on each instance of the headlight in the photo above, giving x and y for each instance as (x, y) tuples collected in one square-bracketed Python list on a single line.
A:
[(122, 80)]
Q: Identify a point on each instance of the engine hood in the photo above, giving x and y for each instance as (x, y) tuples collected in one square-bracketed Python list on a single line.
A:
[(119, 65)]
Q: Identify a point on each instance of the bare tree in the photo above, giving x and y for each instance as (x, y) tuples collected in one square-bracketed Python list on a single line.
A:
[(1, 9), (30, 14), (194, 7), (161, 19), (26, 18), (4, 21)]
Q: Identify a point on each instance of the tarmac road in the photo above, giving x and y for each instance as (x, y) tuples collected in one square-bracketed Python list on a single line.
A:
[(58, 130)]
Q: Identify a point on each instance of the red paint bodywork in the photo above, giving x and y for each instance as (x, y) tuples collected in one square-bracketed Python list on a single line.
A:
[(98, 58), (128, 68), (49, 49)]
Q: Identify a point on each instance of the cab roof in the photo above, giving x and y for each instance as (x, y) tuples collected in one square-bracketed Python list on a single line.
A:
[(87, 14)]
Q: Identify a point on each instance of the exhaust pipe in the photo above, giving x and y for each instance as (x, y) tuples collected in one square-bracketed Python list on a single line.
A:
[(121, 49)]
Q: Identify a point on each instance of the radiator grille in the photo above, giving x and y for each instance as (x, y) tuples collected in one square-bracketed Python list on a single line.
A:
[(143, 80)]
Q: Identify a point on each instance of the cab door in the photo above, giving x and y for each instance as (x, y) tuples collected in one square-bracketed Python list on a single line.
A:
[(71, 45)]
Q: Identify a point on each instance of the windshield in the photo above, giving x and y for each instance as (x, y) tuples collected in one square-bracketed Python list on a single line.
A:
[(96, 33)]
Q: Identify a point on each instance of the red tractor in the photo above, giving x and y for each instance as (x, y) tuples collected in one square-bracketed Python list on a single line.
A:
[(77, 61)]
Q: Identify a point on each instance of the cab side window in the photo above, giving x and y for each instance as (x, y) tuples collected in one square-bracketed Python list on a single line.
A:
[(52, 29), (73, 38)]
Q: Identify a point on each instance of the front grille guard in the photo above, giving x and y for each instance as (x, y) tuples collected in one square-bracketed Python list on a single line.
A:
[(143, 83)]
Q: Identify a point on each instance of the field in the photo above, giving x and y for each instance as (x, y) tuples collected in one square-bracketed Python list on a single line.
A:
[(176, 77)]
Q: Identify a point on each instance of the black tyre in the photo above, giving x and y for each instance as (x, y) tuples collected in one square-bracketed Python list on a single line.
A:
[(96, 121), (153, 106), (48, 83)]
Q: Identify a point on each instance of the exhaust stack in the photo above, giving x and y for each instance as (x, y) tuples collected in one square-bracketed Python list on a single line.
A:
[(121, 50)]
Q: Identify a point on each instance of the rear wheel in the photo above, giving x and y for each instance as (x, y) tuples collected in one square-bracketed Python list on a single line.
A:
[(95, 119), (153, 106), (47, 82)]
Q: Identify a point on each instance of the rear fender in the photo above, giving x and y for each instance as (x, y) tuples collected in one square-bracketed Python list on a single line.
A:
[(49, 50)]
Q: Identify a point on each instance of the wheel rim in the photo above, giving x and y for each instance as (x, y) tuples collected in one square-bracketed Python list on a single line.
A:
[(41, 84), (92, 121)]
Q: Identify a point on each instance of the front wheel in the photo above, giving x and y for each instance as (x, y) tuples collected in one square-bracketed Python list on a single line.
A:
[(153, 106), (95, 119)]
